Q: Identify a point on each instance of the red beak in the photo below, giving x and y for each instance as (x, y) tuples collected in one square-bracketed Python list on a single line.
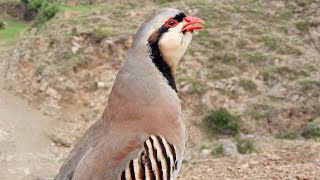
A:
[(191, 24)]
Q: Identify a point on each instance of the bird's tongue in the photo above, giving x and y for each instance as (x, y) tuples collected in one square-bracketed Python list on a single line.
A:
[(192, 23)]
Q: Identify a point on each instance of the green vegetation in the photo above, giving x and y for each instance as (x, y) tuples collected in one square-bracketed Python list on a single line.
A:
[(288, 135), (310, 85), (287, 49), (311, 132), (12, 32), (248, 85), (221, 122), (271, 43), (33, 5), (302, 26), (81, 8), (40, 69), (256, 57), (245, 146), (45, 10), (71, 62), (260, 111), (195, 84), (92, 87), (217, 151), (241, 44), (285, 16), (48, 11), (99, 34)]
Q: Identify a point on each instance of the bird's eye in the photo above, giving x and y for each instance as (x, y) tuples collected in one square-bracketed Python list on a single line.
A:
[(171, 23)]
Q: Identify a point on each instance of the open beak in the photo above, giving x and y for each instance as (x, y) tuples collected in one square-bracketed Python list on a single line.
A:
[(192, 23)]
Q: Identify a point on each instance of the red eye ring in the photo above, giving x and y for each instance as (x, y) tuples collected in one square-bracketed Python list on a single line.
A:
[(171, 23)]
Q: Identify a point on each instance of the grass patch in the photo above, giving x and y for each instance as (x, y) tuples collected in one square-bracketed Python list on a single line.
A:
[(202, 37), (248, 85), (13, 31), (196, 86), (40, 69), (81, 8), (221, 122), (309, 84), (260, 111), (311, 132), (44, 10), (302, 26), (217, 151), (285, 16), (72, 61), (47, 11), (228, 58), (271, 43), (277, 73), (256, 57), (241, 44), (286, 49), (99, 34), (245, 146), (288, 135)]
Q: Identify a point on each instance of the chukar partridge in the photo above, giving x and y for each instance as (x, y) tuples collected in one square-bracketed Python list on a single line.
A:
[(141, 134)]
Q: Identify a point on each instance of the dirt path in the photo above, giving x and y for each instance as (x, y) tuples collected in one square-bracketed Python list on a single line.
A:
[(25, 148)]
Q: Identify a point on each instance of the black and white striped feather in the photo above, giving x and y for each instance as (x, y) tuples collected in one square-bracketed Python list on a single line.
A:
[(158, 161)]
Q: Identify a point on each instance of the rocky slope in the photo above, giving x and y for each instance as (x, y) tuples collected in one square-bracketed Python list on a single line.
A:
[(258, 59)]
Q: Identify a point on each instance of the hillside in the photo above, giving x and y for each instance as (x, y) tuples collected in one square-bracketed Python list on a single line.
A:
[(257, 63)]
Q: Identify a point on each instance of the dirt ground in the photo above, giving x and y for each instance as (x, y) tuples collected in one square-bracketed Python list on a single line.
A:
[(25, 149)]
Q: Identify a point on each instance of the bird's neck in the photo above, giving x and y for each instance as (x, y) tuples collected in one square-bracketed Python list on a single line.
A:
[(141, 86), (161, 64)]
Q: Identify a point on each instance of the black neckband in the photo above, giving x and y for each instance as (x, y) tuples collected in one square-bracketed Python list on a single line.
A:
[(156, 54)]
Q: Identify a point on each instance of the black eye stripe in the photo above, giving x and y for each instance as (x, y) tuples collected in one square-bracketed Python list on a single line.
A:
[(179, 17)]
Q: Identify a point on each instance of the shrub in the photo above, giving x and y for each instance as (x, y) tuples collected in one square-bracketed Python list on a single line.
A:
[(217, 151), (248, 85), (288, 135), (245, 146), (221, 122), (45, 9), (99, 34), (48, 11), (311, 132), (302, 26)]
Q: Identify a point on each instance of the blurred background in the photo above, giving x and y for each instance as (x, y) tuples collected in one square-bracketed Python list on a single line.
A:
[(249, 83)]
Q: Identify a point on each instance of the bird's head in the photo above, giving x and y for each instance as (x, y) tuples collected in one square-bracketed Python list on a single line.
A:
[(168, 34)]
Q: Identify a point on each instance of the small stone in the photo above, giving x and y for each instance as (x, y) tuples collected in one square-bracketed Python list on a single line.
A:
[(273, 157), (229, 147), (59, 141), (44, 85), (75, 49), (243, 166), (301, 177), (253, 163), (187, 89), (3, 25), (53, 93), (205, 152)]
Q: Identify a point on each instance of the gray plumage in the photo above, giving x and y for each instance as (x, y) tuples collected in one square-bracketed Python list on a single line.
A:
[(143, 111)]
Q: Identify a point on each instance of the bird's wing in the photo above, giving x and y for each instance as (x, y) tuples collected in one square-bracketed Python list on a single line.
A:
[(84, 145), (157, 160), (136, 156)]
